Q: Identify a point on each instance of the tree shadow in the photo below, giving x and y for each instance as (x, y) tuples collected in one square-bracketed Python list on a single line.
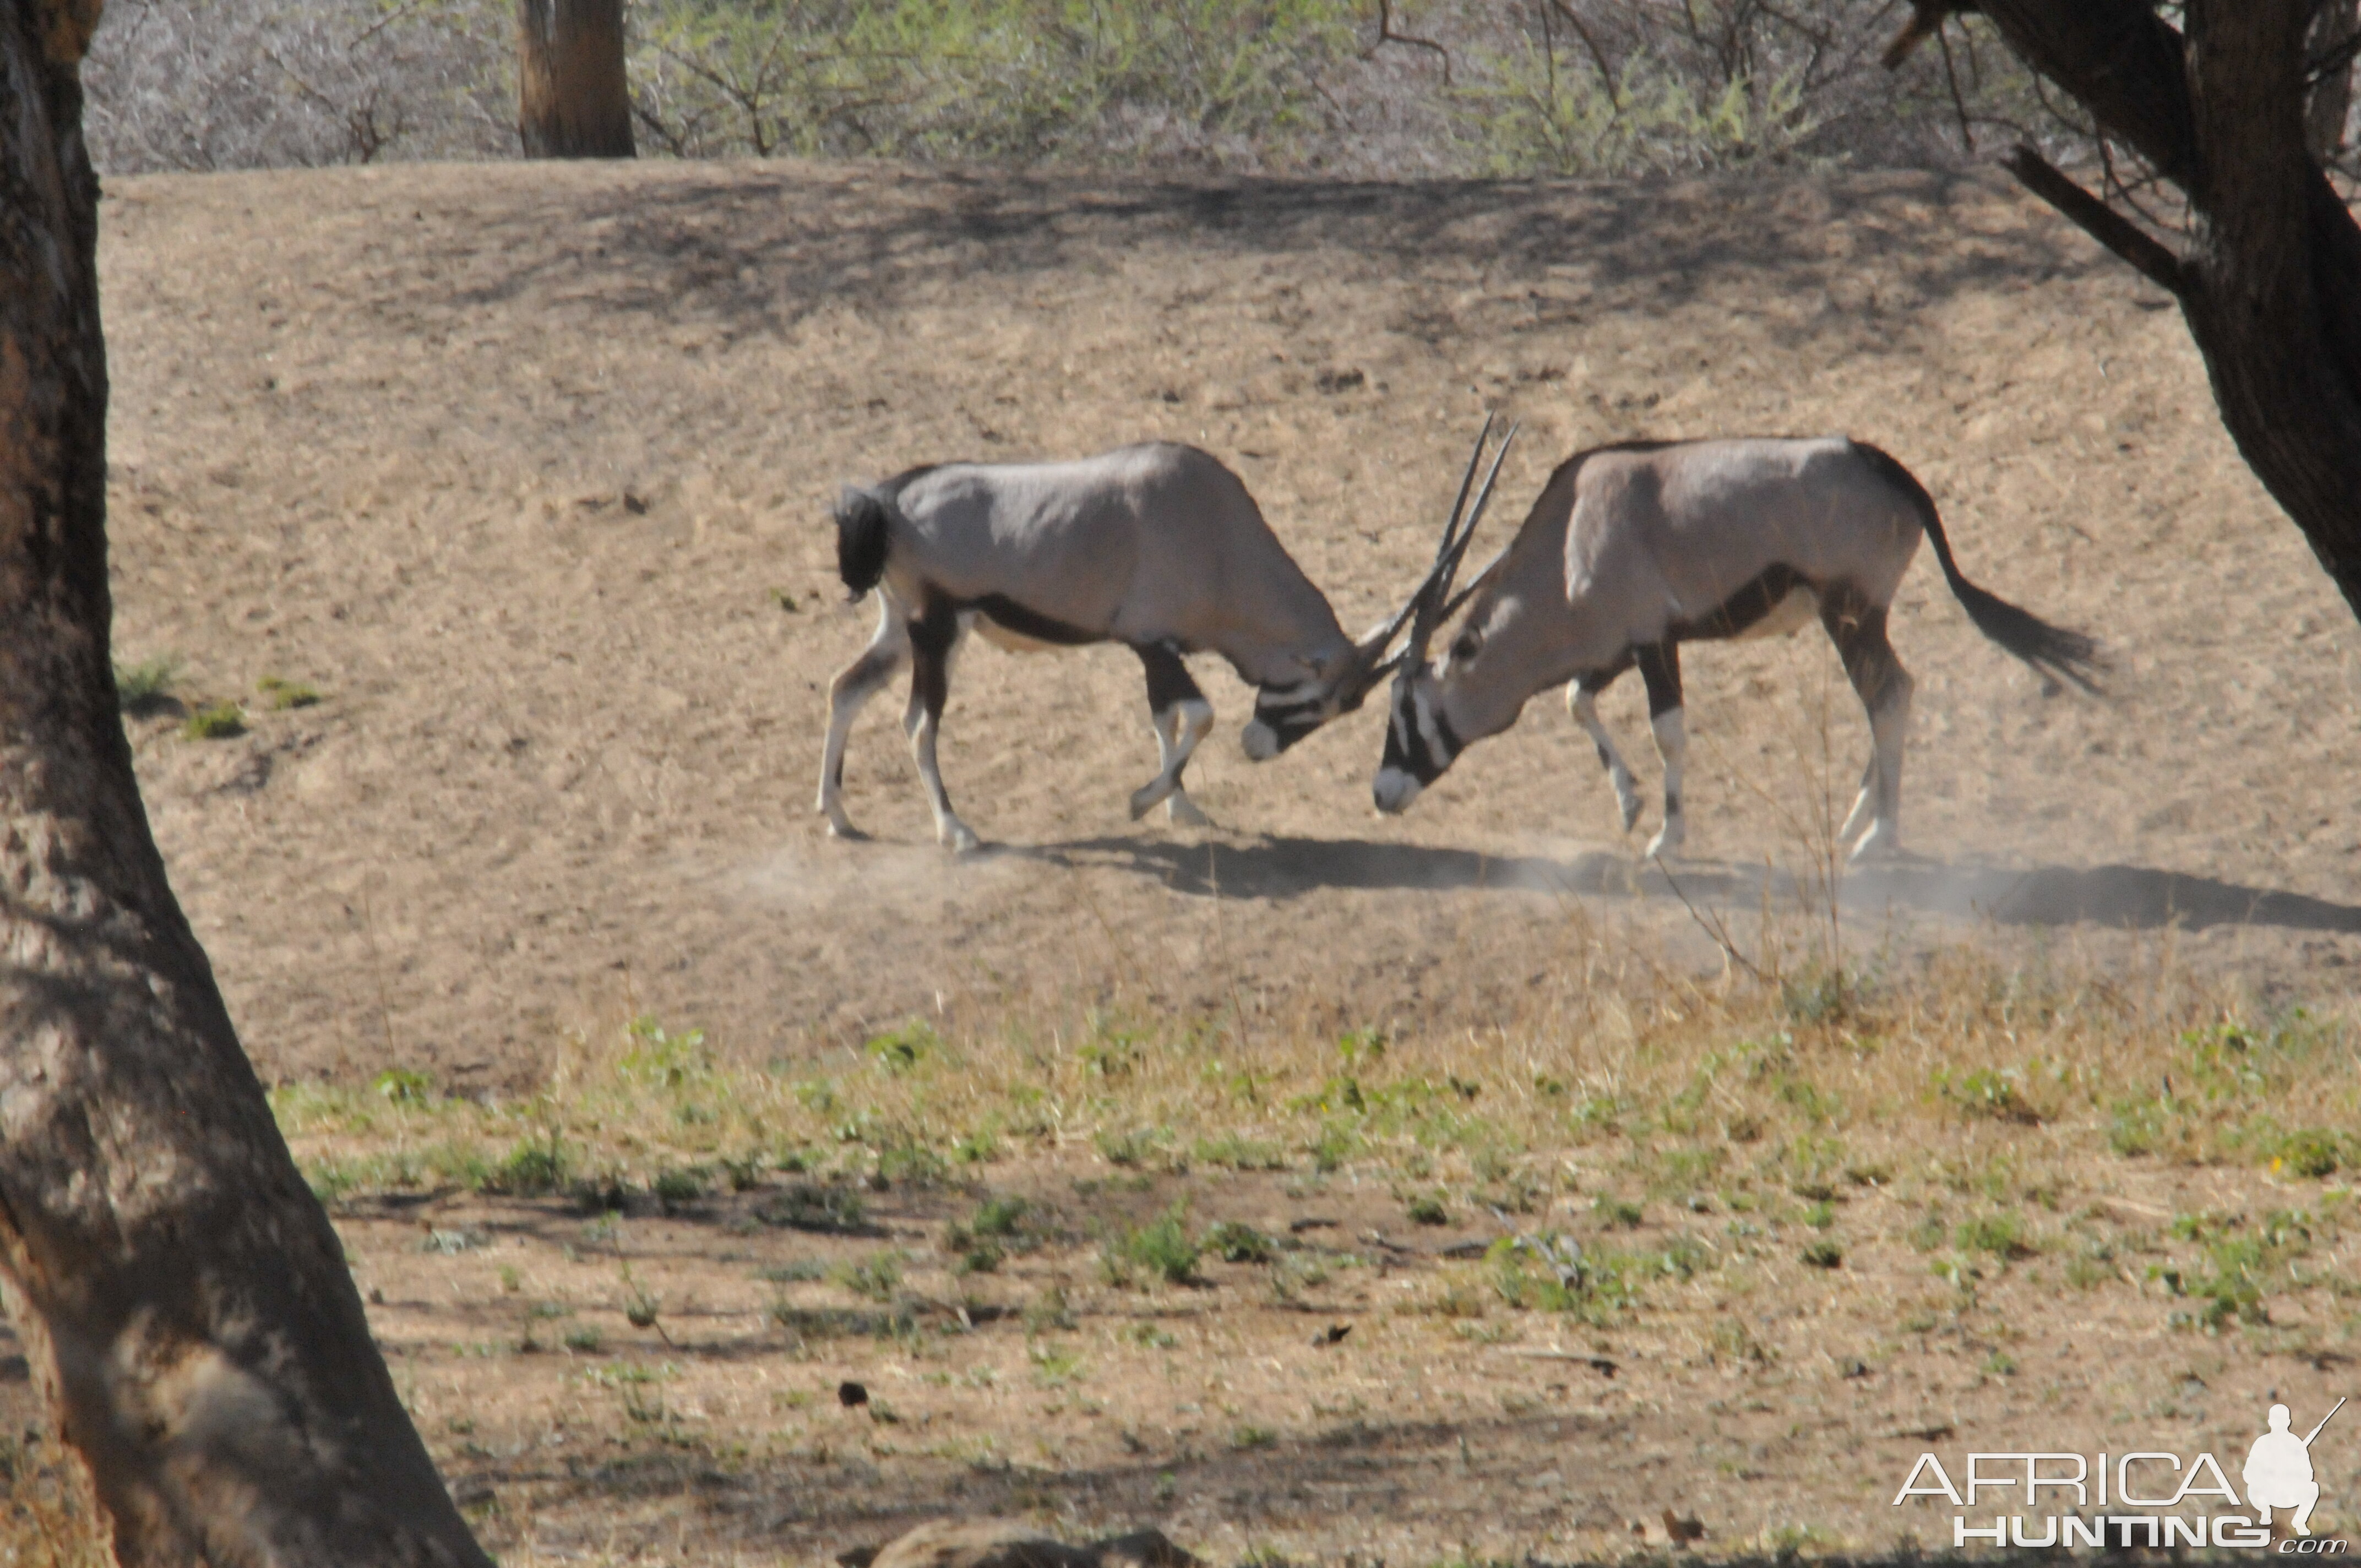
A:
[(1278, 869), (756, 248)]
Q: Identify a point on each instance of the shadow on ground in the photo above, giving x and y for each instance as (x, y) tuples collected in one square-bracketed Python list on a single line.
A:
[(2130, 896)]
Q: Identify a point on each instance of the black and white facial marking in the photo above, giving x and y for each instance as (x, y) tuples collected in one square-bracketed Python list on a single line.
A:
[(1284, 714), (1419, 744)]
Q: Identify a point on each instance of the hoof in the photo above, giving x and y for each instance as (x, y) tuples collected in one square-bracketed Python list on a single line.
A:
[(1146, 798), (847, 832), (1666, 845), (959, 839), (1878, 844), (1184, 812)]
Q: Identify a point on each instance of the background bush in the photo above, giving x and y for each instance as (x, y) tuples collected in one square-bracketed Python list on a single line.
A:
[(1337, 87)]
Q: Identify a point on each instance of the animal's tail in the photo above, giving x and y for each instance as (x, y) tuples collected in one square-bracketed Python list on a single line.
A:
[(862, 517), (2057, 652)]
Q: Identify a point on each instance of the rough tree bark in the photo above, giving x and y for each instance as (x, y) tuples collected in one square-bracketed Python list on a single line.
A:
[(2335, 30), (572, 98), (2269, 280), (183, 1298)]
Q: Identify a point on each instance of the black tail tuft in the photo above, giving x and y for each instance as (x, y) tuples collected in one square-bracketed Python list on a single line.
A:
[(861, 535), (2067, 657)]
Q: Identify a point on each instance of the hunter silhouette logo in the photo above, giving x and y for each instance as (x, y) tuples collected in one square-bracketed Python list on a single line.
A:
[(2143, 1497), (2278, 1471)]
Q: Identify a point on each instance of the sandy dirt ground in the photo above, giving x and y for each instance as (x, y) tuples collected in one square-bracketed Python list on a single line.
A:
[(525, 470), (514, 464)]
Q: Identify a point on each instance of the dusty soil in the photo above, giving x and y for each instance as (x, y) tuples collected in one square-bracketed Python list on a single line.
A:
[(511, 462), (524, 469)]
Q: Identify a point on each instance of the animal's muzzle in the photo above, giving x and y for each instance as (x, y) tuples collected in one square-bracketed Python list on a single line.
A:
[(1394, 790), (1277, 727)]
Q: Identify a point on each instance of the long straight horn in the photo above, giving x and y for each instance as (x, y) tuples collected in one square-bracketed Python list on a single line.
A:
[(1432, 594), (1378, 643)]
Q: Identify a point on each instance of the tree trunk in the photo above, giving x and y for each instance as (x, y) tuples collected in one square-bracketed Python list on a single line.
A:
[(2334, 29), (184, 1301), (2271, 284), (571, 99)]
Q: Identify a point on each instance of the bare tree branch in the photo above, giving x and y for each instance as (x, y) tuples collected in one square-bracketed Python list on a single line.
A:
[(1386, 35), (2098, 219)]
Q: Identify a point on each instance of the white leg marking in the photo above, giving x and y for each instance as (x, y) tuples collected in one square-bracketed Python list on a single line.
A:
[(1583, 703), (950, 831), (846, 695), (1177, 730), (1889, 727), (1672, 745)]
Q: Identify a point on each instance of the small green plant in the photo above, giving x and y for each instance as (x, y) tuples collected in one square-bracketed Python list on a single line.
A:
[(658, 1059), (1253, 1436), (1823, 1254), (1234, 1152), (1148, 1336), (2311, 1152), (144, 687), (1160, 1249), (1131, 1148), (1336, 1143), (678, 1185), (536, 1166), (216, 721), (583, 1341), (830, 1210), (641, 1305), (2135, 1127), (399, 1086), (1615, 1212), (877, 1277), (1239, 1243), (1053, 1366), (903, 1050), (1048, 1311), (1990, 1093), (286, 694), (983, 1243), (1996, 1235), (1427, 1209)]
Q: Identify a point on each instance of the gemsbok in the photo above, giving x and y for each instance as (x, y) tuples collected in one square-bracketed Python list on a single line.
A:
[(1157, 546), (1635, 548)]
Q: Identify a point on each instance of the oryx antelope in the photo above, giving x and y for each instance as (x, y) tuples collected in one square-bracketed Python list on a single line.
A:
[(1157, 546), (1635, 548)]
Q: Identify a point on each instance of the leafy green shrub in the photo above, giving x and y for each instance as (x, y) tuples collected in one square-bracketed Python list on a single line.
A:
[(1427, 1209), (677, 1185), (1536, 113), (1823, 1254), (1012, 81)]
